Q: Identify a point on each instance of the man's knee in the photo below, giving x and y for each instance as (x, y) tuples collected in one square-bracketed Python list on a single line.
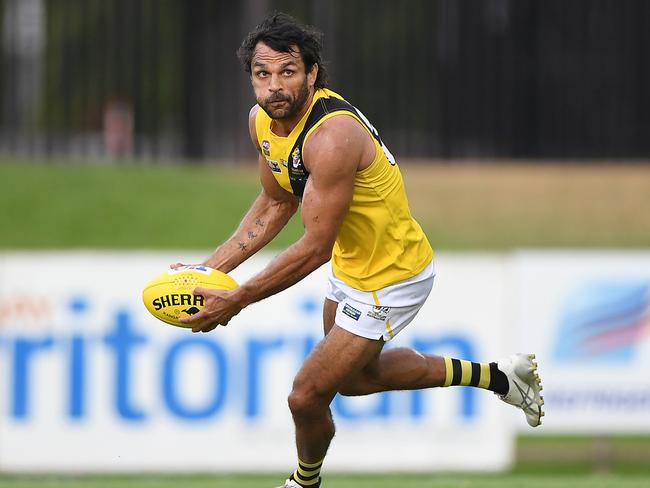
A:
[(305, 399)]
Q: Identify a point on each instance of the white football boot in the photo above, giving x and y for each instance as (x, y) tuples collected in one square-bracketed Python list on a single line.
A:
[(290, 484), (524, 386)]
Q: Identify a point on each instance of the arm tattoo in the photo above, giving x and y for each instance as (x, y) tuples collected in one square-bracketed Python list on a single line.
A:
[(259, 223), (251, 235), (242, 246)]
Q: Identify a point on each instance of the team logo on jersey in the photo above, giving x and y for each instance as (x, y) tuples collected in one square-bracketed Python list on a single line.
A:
[(379, 313), (351, 312), (295, 158), (266, 148), (275, 167)]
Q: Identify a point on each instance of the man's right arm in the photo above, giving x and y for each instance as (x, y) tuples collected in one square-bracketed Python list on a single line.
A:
[(267, 216)]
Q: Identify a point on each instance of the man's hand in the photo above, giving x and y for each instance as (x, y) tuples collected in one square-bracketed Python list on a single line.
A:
[(220, 306)]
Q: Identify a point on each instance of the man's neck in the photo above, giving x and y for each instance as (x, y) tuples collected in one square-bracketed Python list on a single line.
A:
[(284, 127)]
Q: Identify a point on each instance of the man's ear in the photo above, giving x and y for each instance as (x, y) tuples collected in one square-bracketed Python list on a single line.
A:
[(311, 76)]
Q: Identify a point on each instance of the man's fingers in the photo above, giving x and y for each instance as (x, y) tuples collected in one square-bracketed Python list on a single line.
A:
[(210, 327), (204, 292), (204, 327), (200, 320), (193, 318), (177, 265), (198, 323), (198, 315)]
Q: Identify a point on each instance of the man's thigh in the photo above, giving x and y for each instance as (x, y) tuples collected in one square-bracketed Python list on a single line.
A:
[(329, 315), (340, 356)]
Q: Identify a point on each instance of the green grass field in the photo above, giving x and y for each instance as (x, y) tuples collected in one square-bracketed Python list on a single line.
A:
[(544, 480), (464, 206), (542, 462), (60, 206)]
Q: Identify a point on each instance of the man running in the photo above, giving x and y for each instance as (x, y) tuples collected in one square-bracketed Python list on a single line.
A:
[(319, 152)]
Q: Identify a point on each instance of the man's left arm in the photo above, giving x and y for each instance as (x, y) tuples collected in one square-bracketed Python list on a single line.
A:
[(333, 153)]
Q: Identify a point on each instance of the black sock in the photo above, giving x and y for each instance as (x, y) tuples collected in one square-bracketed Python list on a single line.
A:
[(498, 380)]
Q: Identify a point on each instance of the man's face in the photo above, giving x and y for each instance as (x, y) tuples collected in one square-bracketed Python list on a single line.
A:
[(280, 83)]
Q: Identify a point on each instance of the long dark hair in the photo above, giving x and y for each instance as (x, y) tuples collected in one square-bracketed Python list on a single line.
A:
[(283, 33)]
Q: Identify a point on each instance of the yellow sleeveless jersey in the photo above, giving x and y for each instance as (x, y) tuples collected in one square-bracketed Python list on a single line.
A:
[(379, 243)]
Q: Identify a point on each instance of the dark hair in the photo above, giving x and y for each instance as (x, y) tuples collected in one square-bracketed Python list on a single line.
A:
[(282, 33)]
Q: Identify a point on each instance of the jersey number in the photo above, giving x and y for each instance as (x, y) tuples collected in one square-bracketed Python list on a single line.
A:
[(389, 155)]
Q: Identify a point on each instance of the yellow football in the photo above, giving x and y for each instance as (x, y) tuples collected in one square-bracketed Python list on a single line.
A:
[(169, 297)]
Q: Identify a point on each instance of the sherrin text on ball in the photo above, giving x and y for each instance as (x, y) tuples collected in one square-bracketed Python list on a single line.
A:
[(169, 296)]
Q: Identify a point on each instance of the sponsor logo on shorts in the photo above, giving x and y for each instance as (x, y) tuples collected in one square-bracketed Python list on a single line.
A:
[(379, 313), (351, 312), (275, 167)]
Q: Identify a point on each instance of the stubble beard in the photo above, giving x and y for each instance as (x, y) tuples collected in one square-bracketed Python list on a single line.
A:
[(294, 105)]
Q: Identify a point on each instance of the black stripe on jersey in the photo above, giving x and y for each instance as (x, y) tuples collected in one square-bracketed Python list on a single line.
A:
[(298, 173)]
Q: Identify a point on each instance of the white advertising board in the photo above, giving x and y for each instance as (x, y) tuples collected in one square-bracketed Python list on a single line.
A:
[(588, 314), (90, 382)]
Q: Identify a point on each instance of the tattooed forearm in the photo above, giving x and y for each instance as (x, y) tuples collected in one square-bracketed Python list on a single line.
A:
[(243, 247)]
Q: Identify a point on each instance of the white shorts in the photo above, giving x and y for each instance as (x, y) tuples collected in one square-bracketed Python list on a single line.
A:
[(382, 313)]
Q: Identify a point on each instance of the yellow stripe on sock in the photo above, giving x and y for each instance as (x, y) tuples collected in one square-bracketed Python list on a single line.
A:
[(466, 368), (312, 470), (307, 474), (485, 376), (310, 465), (449, 371)]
